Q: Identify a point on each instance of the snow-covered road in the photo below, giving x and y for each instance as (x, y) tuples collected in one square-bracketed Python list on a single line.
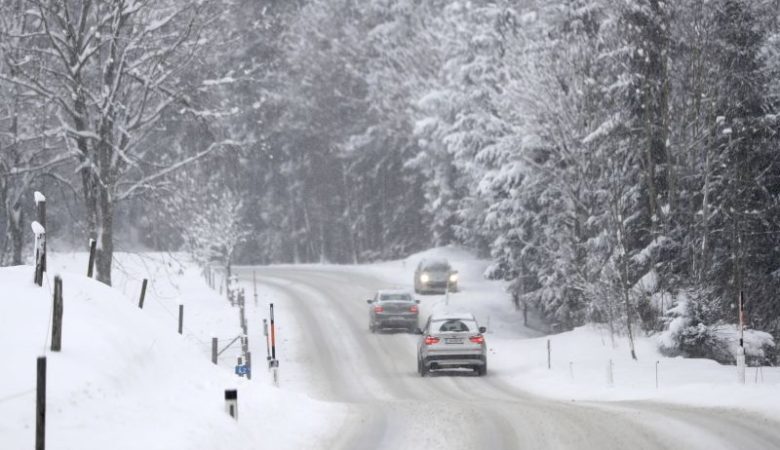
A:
[(390, 406)]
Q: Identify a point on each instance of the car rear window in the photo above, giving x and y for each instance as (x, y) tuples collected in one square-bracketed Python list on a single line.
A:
[(391, 297), (454, 326)]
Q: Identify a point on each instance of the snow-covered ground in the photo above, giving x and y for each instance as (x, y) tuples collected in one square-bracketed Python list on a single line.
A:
[(125, 379)]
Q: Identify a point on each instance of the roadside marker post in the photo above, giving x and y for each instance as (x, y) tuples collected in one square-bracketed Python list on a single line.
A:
[(549, 351), (741, 348), (40, 405), (267, 344), (57, 307), (91, 263), (656, 373), (143, 294), (273, 335), (273, 364), (231, 402), (181, 318)]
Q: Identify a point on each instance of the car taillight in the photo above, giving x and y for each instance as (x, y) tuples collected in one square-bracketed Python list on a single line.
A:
[(379, 309), (478, 339), (430, 340), (413, 309)]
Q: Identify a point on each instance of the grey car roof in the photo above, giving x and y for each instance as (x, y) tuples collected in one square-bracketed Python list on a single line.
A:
[(393, 291), (448, 316), (435, 262)]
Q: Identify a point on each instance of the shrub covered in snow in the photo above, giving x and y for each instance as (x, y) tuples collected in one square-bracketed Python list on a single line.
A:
[(688, 335)]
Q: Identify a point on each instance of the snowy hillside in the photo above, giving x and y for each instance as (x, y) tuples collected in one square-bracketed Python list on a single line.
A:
[(126, 380)]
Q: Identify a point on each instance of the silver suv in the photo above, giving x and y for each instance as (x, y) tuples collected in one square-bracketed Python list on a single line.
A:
[(451, 341)]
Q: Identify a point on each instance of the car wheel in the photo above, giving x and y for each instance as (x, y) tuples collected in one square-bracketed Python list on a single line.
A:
[(481, 370), (423, 370)]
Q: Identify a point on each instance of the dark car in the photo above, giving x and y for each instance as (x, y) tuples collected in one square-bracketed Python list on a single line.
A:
[(393, 309), (435, 276)]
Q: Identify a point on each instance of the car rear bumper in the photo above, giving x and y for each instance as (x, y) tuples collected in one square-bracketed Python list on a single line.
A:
[(455, 361), (397, 322)]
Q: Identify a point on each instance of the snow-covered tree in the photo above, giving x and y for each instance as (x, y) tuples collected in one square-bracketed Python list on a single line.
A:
[(112, 69)]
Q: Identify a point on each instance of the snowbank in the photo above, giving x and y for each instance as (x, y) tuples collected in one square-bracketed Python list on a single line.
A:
[(126, 380)]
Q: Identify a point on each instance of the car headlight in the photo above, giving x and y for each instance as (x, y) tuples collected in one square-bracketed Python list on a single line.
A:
[(424, 278), (454, 278)]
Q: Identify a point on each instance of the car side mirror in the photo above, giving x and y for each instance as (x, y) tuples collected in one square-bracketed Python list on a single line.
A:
[(417, 301), (418, 331), (369, 301), (482, 329)]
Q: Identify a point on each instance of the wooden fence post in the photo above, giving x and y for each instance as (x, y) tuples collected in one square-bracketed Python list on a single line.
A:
[(40, 244), (181, 317), (143, 294), (92, 248), (40, 405), (249, 365), (40, 206), (56, 333), (214, 349)]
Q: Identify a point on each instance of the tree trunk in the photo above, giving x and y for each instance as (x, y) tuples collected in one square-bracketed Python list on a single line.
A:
[(627, 299), (105, 236), (228, 276), (15, 232)]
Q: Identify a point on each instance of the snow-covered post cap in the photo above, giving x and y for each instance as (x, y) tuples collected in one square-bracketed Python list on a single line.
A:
[(39, 197), (37, 228)]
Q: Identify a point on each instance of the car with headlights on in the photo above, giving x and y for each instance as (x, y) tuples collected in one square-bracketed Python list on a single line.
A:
[(393, 309), (451, 341), (435, 276)]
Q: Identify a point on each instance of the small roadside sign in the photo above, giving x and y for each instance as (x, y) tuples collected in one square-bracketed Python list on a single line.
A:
[(242, 370)]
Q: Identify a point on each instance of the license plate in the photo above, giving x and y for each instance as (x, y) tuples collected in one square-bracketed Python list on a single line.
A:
[(453, 341)]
